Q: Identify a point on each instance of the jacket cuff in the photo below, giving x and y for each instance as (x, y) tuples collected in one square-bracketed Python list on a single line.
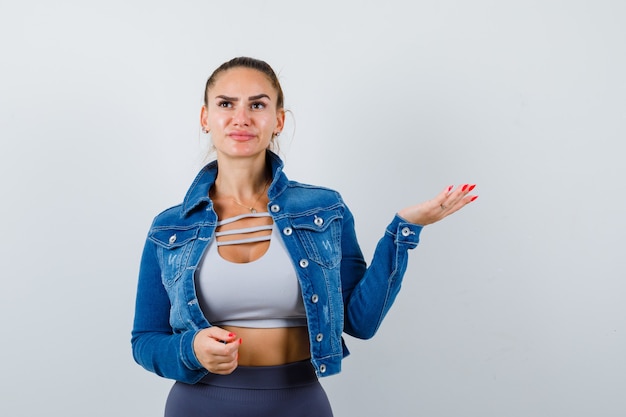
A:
[(404, 232), (187, 354)]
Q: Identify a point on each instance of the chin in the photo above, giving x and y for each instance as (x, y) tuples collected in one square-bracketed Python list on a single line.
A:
[(242, 152)]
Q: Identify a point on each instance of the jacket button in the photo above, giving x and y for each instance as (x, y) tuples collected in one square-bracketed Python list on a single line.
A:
[(319, 337), (322, 368), (315, 298), (275, 208), (406, 231), (287, 231), (172, 239), (318, 221), (304, 263)]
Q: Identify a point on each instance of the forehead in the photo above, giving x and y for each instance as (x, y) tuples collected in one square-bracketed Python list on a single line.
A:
[(244, 81)]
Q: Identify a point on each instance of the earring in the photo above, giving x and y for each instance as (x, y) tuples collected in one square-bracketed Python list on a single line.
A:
[(205, 130), (277, 134)]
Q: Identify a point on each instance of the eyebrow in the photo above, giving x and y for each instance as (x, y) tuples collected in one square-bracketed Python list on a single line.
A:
[(251, 98)]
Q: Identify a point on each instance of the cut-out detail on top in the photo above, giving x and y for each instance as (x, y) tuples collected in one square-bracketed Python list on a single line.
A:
[(243, 230)]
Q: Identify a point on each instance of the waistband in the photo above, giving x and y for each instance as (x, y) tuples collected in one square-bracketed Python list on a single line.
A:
[(265, 377)]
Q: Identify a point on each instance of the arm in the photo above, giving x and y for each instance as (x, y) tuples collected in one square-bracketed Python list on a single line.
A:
[(155, 346), (369, 293)]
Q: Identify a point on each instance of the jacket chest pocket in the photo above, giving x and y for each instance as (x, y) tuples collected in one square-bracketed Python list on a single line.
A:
[(175, 246), (320, 235)]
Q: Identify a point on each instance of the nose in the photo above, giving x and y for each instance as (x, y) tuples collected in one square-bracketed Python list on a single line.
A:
[(241, 116)]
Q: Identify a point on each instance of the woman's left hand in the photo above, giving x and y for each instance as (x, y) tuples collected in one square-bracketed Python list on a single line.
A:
[(443, 205)]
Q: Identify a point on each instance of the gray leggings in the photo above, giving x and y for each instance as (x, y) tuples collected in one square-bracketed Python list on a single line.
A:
[(286, 390)]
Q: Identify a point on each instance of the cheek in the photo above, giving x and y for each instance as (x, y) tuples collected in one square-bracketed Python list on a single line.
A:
[(268, 123), (217, 122)]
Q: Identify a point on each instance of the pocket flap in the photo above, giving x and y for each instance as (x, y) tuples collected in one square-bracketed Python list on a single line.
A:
[(170, 238), (316, 222)]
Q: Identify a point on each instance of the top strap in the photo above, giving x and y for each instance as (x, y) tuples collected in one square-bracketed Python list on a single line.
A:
[(242, 216)]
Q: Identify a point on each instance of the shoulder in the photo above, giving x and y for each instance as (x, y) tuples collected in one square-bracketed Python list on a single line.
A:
[(168, 217), (298, 198), (295, 186), (312, 191)]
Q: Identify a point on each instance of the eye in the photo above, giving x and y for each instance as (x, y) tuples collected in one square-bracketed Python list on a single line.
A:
[(225, 104), (258, 105)]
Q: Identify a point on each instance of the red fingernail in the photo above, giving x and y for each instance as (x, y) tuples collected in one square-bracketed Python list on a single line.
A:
[(464, 187), (240, 340), (450, 187), (231, 334), (473, 198), (471, 187)]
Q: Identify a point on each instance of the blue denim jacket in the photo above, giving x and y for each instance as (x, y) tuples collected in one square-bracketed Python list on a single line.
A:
[(340, 293)]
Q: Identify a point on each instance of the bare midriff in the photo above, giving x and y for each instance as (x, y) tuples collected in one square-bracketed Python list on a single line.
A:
[(270, 347)]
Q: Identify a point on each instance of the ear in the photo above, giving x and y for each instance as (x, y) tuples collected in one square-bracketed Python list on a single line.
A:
[(280, 120), (204, 119)]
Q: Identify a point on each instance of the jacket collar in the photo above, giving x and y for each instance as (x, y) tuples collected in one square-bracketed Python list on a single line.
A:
[(198, 193)]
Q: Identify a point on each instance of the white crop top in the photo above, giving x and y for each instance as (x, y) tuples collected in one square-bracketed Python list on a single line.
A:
[(264, 293)]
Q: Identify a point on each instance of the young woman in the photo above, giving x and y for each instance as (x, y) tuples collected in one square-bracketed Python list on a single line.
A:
[(246, 287)]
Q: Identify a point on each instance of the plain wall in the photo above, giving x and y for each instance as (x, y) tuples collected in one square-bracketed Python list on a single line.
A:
[(512, 307)]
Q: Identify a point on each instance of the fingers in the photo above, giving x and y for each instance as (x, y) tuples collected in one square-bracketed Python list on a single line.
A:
[(220, 334), (222, 357), (451, 201), (217, 350), (444, 197)]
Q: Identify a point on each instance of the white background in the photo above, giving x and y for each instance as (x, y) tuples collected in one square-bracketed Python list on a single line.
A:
[(512, 307)]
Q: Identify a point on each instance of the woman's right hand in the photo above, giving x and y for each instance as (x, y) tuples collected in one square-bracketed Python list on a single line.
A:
[(217, 350)]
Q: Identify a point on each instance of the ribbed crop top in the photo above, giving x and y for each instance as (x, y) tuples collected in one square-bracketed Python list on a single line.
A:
[(264, 293)]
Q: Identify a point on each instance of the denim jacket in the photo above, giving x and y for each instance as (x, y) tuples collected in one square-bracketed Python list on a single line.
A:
[(340, 293)]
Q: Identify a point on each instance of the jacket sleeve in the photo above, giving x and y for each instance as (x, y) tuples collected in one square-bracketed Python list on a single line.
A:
[(154, 344), (369, 292)]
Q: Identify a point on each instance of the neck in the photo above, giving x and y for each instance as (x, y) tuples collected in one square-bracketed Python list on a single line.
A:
[(242, 180)]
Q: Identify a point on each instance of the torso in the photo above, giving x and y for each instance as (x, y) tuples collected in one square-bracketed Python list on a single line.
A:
[(260, 346)]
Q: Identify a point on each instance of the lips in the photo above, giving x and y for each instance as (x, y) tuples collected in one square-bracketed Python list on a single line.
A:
[(241, 135)]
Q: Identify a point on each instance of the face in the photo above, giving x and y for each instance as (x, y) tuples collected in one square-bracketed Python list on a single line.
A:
[(241, 113)]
